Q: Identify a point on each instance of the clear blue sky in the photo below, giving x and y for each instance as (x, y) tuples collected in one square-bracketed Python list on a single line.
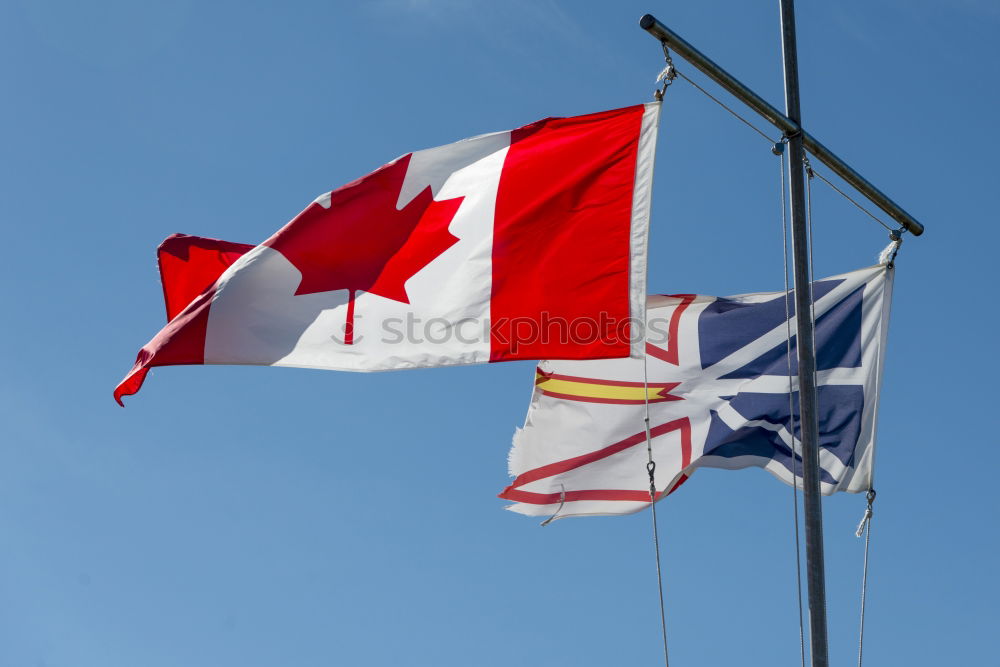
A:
[(257, 517)]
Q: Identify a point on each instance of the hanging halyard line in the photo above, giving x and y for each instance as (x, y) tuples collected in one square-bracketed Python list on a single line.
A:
[(778, 149), (667, 78), (866, 526), (888, 257), (812, 172), (726, 107), (651, 469), (809, 240), (791, 410)]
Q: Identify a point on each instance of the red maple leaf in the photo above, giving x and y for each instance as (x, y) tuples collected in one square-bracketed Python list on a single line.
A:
[(362, 243)]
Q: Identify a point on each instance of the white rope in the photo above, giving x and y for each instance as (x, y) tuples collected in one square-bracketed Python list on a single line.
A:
[(866, 526), (864, 520), (791, 417)]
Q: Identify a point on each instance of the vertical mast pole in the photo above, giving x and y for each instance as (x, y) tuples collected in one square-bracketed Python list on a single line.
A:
[(808, 422)]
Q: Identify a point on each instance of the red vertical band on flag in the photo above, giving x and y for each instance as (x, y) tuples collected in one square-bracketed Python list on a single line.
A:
[(561, 253), (182, 341), (189, 267)]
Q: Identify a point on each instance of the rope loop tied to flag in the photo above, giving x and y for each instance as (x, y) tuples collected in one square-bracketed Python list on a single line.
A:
[(666, 76), (870, 496)]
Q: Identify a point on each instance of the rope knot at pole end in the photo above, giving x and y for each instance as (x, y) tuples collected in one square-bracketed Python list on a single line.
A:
[(666, 76), (866, 519), (888, 255)]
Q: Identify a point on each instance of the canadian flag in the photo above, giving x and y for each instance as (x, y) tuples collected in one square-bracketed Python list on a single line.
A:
[(527, 244)]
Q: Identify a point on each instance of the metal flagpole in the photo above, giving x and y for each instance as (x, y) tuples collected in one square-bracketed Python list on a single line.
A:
[(798, 140), (805, 346)]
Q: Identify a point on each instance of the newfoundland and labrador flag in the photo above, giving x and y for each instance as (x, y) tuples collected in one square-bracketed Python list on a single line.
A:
[(450, 255), (718, 393)]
